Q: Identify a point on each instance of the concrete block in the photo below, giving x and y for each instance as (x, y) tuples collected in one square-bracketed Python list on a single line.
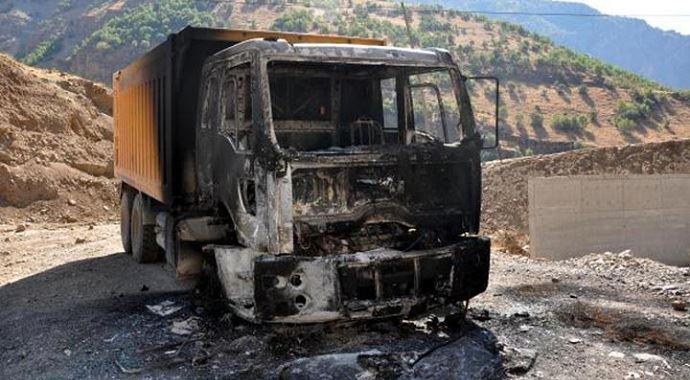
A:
[(600, 194), (642, 193), (675, 192), (575, 216)]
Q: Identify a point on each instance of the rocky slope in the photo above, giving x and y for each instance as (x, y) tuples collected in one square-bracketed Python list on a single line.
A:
[(55, 146)]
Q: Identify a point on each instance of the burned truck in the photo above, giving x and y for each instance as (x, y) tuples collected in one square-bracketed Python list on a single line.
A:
[(321, 178)]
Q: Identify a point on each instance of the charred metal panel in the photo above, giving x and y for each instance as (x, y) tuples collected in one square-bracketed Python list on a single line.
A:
[(473, 279), (236, 274), (374, 194), (291, 285), (202, 229)]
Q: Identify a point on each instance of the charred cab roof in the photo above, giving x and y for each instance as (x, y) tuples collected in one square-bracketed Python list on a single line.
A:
[(326, 52)]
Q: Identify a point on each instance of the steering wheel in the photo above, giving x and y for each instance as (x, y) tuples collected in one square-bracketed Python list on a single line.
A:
[(428, 136), (365, 125)]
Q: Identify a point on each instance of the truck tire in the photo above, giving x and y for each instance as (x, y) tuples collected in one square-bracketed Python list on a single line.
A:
[(144, 246), (172, 244), (126, 219)]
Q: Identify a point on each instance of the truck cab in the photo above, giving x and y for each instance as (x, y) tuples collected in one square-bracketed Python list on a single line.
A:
[(330, 156)]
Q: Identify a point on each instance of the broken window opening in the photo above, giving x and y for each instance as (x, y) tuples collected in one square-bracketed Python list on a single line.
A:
[(210, 110), (432, 113), (236, 107), (391, 115), (336, 106), (229, 124)]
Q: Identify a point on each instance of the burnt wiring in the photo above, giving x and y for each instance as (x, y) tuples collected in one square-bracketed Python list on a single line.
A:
[(464, 306)]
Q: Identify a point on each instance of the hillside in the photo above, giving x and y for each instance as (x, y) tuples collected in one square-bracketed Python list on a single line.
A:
[(629, 43), (55, 146), (553, 99)]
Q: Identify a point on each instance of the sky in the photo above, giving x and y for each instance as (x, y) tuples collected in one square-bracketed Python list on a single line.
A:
[(648, 7)]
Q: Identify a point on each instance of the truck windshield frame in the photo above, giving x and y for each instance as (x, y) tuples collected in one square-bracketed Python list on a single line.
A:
[(337, 121)]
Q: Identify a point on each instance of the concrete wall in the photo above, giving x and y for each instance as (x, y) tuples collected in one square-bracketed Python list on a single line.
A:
[(574, 216)]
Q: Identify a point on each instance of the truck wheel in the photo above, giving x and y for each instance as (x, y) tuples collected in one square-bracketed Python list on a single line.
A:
[(171, 242), (125, 219), (144, 247)]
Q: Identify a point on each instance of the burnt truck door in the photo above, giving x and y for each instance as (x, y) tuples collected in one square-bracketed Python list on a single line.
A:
[(440, 112), (225, 153)]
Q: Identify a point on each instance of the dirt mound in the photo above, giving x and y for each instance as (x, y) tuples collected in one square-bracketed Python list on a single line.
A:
[(505, 205), (55, 146)]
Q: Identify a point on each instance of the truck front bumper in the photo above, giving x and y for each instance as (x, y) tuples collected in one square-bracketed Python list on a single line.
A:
[(366, 285)]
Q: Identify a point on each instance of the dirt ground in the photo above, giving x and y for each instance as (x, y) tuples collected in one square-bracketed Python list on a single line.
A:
[(74, 306)]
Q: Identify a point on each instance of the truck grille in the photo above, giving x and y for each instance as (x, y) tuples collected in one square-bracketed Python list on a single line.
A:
[(414, 277)]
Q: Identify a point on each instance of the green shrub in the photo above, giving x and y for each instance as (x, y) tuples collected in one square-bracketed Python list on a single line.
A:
[(519, 119), (43, 51), (631, 110), (429, 23), (683, 96), (632, 113), (64, 5), (646, 98), (624, 124), (296, 21), (536, 119), (102, 45), (594, 117), (148, 24), (503, 112), (561, 88), (489, 92), (569, 123)]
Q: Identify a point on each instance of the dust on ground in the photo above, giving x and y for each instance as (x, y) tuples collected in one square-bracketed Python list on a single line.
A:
[(74, 306)]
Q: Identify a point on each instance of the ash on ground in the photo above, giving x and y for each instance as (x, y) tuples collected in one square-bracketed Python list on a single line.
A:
[(80, 311)]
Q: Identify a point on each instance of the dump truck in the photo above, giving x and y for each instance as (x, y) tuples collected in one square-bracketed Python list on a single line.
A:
[(320, 178)]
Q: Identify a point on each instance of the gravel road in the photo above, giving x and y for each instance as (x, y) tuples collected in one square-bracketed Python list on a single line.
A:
[(74, 306)]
